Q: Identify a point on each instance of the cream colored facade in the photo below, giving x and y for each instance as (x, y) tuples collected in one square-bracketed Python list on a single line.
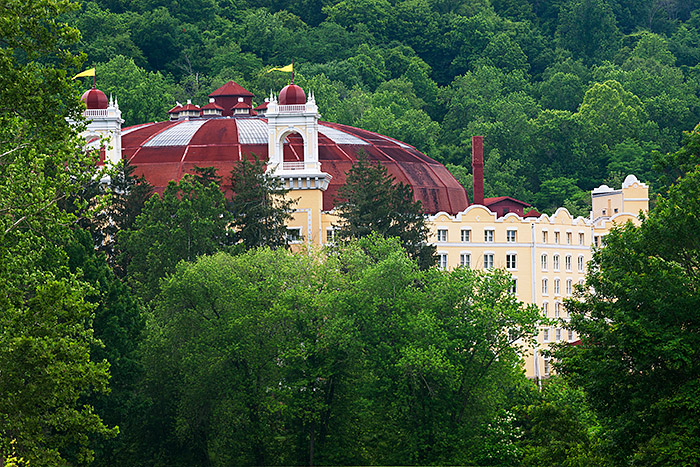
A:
[(546, 256)]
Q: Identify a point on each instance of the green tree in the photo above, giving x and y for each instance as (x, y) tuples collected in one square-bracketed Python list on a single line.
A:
[(588, 29), (372, 201), (187, 221), (259, 206), (638, 320), (45, 320)]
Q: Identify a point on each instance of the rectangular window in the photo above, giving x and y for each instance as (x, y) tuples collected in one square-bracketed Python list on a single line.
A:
[(442, 235), (442, 260), (293, 234), (556, 286), (568, 238), (547, 366), (488, 260), (511, 236), (571, 335), (580, 238), (330, 235), (545, 335), (465, 260), (545, 309), (544, 262), (569, 287), (596, 240), (557, 334), (556, 262), (580, 264), (466, 235), (510, 261), (513, 286), (567, 262), (544, 236), (557, 309), (544, 286), (556, 238), (488, 236)]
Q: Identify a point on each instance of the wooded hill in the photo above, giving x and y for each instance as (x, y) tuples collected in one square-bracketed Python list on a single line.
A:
[(569, 94)]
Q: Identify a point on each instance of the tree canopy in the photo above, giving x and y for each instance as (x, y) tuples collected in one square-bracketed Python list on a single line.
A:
[(638, 322)]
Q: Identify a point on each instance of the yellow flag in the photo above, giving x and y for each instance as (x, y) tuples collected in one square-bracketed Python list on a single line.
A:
[(289, 68), (82, 74)]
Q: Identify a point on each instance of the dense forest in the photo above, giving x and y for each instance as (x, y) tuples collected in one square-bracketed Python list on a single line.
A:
[(180, 330), (569, 94)]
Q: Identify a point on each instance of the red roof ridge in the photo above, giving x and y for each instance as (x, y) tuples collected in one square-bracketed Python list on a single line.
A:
[(212, 105), (489, 201), (231, 89), (241, 105)]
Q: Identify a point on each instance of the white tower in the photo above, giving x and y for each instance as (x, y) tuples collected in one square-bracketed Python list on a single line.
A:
[(295, 114), (104, 122)]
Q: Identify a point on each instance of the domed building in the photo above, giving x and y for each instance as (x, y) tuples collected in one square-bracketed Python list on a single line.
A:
[(290, 136), (545, 254)]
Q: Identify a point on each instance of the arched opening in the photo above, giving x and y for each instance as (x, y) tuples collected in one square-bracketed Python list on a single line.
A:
[(292, 151)]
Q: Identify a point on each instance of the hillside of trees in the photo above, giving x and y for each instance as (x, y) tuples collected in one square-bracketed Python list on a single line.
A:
[(569, 94), (144, 330)]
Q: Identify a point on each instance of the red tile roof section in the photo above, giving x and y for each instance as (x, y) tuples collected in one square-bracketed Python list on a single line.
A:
[(216, 144)]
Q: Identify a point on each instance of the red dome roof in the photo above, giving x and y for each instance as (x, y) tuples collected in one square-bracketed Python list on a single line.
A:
[(292, 94), (167, 150), (95, 99)]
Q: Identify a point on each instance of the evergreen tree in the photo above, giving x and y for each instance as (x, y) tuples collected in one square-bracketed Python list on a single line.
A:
[(372, 201), (259, 206)]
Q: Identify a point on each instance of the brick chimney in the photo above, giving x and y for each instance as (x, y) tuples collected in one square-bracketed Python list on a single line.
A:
[(478, 169)]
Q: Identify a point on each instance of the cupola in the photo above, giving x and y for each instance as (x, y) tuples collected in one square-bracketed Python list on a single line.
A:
[(175, 111), (292, 94), (95, 99), (212, 109)]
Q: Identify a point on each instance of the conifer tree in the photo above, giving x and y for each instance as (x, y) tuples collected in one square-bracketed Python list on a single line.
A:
[(374, 202), (259, 206)]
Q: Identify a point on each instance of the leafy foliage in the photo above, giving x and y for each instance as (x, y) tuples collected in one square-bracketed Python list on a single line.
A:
[(275, 358), (638, 362)]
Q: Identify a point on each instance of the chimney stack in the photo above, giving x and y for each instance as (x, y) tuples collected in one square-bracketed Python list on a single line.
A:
[(478, 169)]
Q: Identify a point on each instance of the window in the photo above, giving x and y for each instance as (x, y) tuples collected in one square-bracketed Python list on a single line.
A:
[(556, 237), (581, 282), (293, 234), (547, 368), (569, 287), (557, 334), (545, 309), (557, 309), (568, 238), (465, 260), (545, 335), (442, 260), (511, 236), (442, 235), (580, 238), (488, 260), (567, 262), (571, 335), (556, 262), (556, 286), (544, 286), (466, 235), (510, 261), (596, 240), (513, 286), (488, 236), (615, 210), (544, 236), (544, 262), (580, 264), (330, 235)]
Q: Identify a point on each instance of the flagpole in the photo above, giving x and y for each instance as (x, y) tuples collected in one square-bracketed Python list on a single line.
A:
[(292, 72)]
